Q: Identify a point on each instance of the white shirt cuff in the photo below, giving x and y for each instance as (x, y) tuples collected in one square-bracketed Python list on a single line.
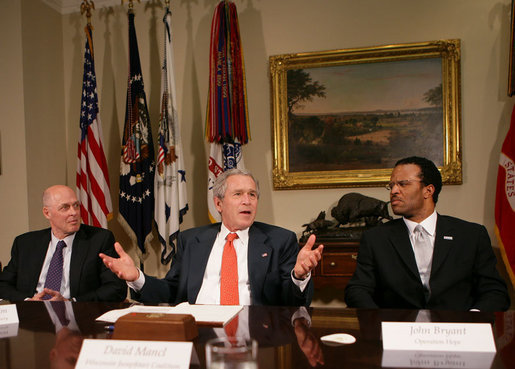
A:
[(137, 284), (301, 283), (302, 312)]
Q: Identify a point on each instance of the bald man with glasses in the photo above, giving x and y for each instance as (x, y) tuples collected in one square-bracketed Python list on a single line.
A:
[(61, 262), (425, 260)]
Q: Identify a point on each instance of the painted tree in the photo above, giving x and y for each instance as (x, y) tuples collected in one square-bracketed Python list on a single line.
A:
[(301, 88)]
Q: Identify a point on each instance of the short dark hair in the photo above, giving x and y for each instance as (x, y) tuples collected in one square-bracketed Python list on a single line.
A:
[(429, 173)]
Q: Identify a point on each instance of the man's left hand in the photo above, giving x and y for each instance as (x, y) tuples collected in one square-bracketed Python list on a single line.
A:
[(307, 259)]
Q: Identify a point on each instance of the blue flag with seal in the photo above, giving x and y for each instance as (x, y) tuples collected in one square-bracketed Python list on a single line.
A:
[(137, 155)]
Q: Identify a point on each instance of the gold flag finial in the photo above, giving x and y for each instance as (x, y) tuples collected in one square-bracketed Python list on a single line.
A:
[(131, 4), (85, 7)]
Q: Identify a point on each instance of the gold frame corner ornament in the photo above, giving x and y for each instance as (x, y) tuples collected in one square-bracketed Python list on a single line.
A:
[(450, 53)]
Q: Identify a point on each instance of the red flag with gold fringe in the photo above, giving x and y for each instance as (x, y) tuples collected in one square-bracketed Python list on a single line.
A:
[(227, 124), (505, 201)]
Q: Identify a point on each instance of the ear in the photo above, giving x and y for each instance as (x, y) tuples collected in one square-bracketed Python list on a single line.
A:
[(429, 191), (52, 354), (46, 212), (218, 204)]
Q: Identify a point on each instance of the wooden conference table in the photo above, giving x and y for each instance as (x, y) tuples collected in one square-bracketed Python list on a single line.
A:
[(281, 344)]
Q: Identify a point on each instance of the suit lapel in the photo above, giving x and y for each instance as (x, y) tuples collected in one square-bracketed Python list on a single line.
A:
[(399, 237), (259, 255), (200, 252), (79, 253), (443, 243), (39, 252)]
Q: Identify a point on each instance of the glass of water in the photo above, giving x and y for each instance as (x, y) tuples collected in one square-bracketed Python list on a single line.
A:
[(231, 353)]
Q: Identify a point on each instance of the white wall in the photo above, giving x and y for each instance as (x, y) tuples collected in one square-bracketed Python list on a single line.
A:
[(270, 27)]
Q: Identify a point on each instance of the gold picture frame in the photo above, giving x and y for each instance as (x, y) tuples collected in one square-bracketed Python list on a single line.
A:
[(358, 145)]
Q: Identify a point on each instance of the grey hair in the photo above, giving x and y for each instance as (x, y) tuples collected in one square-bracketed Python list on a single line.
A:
[(221, 181)]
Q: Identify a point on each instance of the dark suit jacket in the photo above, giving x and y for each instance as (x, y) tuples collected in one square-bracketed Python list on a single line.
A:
[(272, 253), (90, 280), (463, 272)]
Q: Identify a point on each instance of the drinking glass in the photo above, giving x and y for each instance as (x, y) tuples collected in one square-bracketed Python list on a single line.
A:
[(231, 353)]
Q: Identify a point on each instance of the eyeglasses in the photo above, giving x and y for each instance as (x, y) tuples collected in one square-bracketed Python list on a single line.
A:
[(401, 184)]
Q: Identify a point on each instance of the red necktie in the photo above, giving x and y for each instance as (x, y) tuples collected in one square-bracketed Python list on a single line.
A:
[(229, 273)]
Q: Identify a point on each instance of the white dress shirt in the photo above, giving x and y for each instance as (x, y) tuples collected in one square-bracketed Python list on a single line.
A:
[(211, 280)]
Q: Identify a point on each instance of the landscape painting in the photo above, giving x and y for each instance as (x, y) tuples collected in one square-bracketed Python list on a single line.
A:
[(343, 118), (364, 116)]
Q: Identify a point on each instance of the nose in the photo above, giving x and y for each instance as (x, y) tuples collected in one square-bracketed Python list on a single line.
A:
[(395, 188), (74, 209), (246, 198)]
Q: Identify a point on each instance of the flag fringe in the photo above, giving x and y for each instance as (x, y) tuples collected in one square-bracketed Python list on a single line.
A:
[(127, 228), (504, 256)]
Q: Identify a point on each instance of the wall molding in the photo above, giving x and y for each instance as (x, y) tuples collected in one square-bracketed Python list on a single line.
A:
[(73, 6)]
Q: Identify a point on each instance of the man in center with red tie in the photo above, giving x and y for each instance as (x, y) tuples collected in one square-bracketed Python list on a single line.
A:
[(235, 262)]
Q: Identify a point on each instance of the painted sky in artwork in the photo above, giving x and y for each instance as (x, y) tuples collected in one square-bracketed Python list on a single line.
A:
[(374, 86)]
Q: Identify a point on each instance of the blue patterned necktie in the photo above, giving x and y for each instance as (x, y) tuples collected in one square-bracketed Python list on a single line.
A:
[(55, 270), (59, 308)]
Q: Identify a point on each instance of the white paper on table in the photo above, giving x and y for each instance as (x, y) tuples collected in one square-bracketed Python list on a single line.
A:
[(209, 314)]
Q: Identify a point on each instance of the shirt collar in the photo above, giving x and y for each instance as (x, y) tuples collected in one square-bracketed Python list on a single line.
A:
[(243, 234), (429, 224), (68, 239)]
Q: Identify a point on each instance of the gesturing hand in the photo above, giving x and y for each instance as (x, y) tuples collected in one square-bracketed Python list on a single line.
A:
[(54, 296), (123, 266), (307, 259)]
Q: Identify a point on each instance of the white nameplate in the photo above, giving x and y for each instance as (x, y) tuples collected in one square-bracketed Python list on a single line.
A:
[(8, 330), (436, 359), (8, 314), (463, 337), (108, 354)]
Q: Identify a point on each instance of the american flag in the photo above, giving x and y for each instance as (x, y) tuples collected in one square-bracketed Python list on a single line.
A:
[(92, 175), (171, 202), (136, 203)]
